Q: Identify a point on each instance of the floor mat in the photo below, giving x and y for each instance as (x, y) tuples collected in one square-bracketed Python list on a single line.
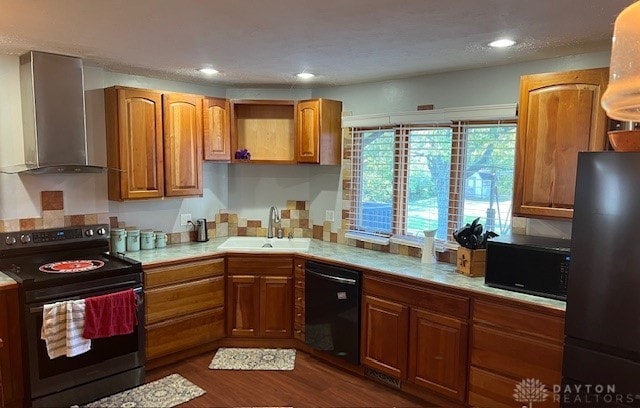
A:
[(253, 359), (166, 392)]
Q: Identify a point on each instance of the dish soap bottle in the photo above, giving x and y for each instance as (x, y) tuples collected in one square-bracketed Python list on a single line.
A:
[(429, 247)]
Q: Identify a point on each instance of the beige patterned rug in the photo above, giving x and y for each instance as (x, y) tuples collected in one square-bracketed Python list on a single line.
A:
[(166, 392), (253, 359)]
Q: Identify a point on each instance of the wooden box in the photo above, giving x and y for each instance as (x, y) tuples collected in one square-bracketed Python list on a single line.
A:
[(471, 262)]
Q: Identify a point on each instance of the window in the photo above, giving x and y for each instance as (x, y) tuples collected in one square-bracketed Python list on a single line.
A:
[(408, 179)]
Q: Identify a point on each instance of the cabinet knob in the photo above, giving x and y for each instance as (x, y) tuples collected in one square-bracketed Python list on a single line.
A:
[(299, 315), (298, 331), (299, 299)]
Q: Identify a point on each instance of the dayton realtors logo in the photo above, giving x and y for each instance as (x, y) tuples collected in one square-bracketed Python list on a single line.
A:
[(531, 390)]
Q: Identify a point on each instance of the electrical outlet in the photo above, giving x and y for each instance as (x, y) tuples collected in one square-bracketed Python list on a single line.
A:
[(184, 219), (329, 215)]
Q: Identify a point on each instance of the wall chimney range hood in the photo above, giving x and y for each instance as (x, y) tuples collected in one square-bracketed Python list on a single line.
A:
[(53, 115)]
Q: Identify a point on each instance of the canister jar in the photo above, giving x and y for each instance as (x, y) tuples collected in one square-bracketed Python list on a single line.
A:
[(133, 239), (118, 237), (147, 239), (161, 239)]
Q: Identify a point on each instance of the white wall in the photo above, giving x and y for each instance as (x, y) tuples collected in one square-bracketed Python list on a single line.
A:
[(484, 86), (247, 189)]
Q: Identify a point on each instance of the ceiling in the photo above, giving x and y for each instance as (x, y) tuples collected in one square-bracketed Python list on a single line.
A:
[(265, 42)]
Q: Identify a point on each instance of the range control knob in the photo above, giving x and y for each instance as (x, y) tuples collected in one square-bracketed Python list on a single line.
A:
[(25, 239), (101, 231), (89, 233), (10, 240)]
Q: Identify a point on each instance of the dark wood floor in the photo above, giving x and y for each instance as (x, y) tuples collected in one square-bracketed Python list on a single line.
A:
[(311, 384)]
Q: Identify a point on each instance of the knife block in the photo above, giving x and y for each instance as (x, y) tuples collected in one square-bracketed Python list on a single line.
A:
[(471, 262)]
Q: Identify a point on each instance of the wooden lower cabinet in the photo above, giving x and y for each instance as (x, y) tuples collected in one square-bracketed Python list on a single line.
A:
[(260, 297), (184, 306), (385, 327), (11, 387), (243, 306), (509, 344), (299, 325), (416, 335), (438, 353)]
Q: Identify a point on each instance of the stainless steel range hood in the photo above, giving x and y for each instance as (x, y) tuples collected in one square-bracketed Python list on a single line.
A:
[(53, 115)]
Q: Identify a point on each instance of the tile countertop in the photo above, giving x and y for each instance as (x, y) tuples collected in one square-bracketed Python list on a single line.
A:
[(441, 273)]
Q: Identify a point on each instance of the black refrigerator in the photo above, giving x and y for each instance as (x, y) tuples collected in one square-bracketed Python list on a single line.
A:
[(601, 363)]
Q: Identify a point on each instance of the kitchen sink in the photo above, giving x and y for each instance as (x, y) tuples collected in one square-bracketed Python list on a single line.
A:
[(266, 244)]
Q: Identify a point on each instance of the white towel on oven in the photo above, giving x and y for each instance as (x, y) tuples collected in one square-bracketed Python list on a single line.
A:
[(62, 326)]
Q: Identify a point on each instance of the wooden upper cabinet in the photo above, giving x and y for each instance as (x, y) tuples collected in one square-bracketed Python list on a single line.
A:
[(560, 115), (182, 144), (217, 142), (134, 143), (318, 133), (266, 128)]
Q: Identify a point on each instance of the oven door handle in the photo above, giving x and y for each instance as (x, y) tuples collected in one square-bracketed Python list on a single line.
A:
[(137, 291)]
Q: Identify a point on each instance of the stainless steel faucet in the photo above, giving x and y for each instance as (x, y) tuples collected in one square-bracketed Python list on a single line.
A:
[(274, 218)]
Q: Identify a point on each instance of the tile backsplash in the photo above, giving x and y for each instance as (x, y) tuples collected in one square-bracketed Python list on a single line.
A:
[(294, 220)]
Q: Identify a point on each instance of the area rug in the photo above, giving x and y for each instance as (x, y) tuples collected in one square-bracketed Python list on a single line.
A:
[(253, 359), (166, 392)]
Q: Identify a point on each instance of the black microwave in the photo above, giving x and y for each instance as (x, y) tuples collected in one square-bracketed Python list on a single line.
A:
[(529, 264)]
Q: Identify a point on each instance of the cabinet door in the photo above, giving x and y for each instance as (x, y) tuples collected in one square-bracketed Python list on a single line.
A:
[(385, 327), (182, 144), (243, 306), (276, 312), (308, 130), (216, 129), (438, 353), (10, 352), (134, 143), (319, 132), (560, 115)]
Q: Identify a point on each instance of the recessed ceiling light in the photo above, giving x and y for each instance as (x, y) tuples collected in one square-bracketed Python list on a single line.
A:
[(501, 43), (208, 71), (305, 75)]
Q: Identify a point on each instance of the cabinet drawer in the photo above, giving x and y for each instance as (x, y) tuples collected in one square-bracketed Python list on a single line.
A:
[(298, 280), (298, 332), (298, 299), (487, 389), (520, 320), (432, 300), (177, 300), (260, 266), (516, 356), (180, 334), (299, 265), (167, 275), (298, 315)]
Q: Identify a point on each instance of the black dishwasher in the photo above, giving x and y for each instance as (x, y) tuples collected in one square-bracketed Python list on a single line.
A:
[(332, 310)]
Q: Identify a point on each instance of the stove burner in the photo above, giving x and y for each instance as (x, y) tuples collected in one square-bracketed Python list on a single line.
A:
[(71, 266)]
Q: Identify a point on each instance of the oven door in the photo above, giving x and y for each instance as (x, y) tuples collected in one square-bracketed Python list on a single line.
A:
[(108, 356)]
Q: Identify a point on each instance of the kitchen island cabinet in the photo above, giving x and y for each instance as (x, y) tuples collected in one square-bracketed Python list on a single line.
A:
[(259, 296), (510, 343), (184, 308), (559, 116), (416, 334), (154, 143), (11, 386)]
